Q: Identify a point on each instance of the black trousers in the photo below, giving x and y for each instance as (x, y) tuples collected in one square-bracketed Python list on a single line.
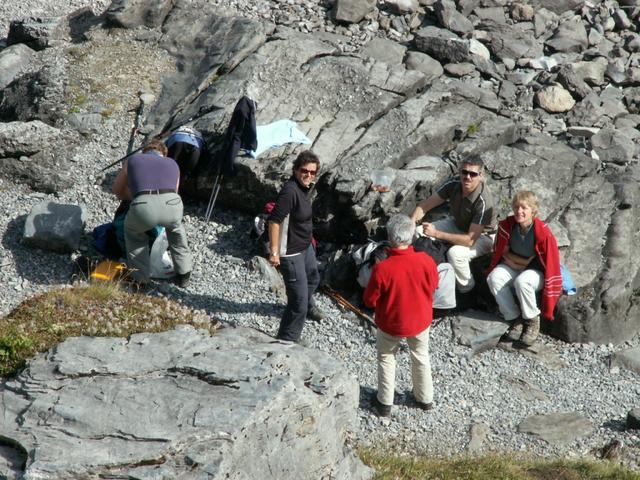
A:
[(301, 279)]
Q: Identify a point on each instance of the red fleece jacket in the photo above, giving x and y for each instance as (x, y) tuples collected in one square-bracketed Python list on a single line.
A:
[(547, 250), (401, 291)]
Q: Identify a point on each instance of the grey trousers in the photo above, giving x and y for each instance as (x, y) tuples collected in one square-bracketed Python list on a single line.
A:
[(301, 278), (145, 212)]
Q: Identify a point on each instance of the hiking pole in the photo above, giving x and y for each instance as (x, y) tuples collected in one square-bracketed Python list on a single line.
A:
[(348, 305), (145, 98), (202, 112), (214, 195)]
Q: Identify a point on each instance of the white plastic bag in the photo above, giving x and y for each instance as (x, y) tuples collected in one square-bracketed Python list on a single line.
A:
[(159, 258)]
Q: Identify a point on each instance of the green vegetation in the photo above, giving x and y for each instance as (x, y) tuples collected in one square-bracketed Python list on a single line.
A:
[(99, 309), (491, 467), (473, 128)]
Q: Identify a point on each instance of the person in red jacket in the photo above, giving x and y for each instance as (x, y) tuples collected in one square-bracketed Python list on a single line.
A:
[(525, 260), (401, 292)]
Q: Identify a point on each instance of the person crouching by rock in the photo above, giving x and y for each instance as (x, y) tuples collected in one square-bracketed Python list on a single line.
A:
[(526, 260), (150, 180), (185, 145), (290, 227), (401, 292)]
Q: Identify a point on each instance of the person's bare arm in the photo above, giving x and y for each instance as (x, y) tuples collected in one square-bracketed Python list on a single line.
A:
[(120, 185), (425, 206), (274, 244), (464, 239)]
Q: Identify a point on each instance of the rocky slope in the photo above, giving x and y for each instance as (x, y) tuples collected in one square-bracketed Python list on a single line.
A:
[(408, 90)]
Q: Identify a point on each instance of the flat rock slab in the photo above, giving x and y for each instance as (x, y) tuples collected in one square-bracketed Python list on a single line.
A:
[(526, 390), (557, 428), (538, 351), (179, 404), (629, 358), (479, 330)]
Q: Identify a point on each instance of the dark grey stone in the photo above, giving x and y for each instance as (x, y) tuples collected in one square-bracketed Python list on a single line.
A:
[(557, 428), (441, 44), (38, 33), (54, 226), (633, 419), (135, 13)]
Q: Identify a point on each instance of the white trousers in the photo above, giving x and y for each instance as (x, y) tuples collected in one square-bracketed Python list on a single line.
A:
[(460, 256), (504, 281), (420, 366), (445, 295)]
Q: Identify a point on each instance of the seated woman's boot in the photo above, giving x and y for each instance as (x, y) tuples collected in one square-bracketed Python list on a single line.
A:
[(531, 331), (515, 330)]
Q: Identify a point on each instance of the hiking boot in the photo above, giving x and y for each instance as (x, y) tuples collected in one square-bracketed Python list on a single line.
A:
[(182, 279), (530, 331), (315, 314), (515, 330), (424, 406), (380, 409)]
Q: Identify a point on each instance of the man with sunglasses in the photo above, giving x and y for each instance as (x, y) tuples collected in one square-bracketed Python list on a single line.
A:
[(291, 246), (472, 224)]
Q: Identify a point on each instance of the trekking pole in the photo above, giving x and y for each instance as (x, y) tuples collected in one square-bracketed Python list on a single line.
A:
[(348, 305), (202, 112), (214, 195), (144, 98)]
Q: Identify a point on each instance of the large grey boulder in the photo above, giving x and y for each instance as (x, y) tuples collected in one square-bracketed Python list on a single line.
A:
[(570, 36), (352, 11), (54, 226), (422, 62), (35, 153), (38, 33), (441, 44), (135, 13), (451, 19), (557, 6), (510, 42), (12, 61), (205, 46), (37, 96), (181, 404)]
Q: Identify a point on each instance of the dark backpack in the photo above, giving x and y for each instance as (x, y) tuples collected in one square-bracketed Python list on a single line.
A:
[(434, 248)]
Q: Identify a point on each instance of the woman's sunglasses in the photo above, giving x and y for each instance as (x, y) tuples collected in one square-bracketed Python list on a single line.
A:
[(304, 171)]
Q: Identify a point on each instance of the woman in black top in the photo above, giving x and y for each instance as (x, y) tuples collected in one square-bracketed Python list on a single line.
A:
[(291, 248)]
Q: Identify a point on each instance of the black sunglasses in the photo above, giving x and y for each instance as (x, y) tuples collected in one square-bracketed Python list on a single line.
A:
[(470, 173)]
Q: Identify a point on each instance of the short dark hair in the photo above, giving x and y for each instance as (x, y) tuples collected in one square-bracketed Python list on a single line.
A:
[(304, 158), (157, 145), (472, 160)]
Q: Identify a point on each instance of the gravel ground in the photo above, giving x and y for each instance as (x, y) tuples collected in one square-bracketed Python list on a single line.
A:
[(469, 391)]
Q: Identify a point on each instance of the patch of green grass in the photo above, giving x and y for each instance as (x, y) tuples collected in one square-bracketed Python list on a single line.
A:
[(97, 309), (491, 467), (473, 128)]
